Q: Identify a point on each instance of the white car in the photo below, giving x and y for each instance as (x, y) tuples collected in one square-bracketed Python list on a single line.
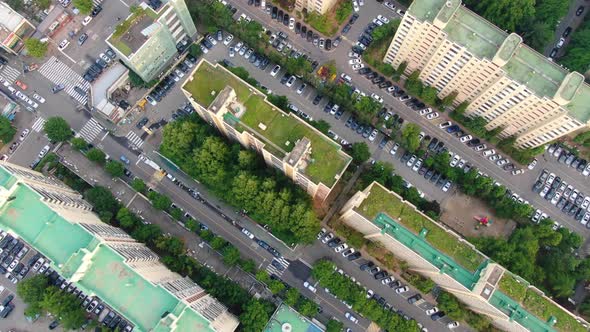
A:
[(341, 247), (290, 81), (232, 52), (465, 138), (373, 135), (211, 40), (327, 238), (445, 125), (560, 42), (228, 39), (43, 151), (203, 49), (411, 161), (301, 88), (178, 72), (24, 134), (586, 170), (425, 111), (402, 289), (275, 71), (292, 23), (377, 98), (378, 22), (536, 216), (353, 55), (432, 115), (309, 286), (358, 66), (248, 233), (370, 293), (38, 264), (383, 19), (355, 6), (417, 165), (86, 20), (354, 61), (394, 149), (350, 317), (455, 160), (585, 203), (453, 325), (389, 5), (431, 311), (447, 186), (532, 164), (400, 12), (64, 43)]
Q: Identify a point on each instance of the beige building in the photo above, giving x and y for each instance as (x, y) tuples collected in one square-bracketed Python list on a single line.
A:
[(504, 81), (317, 6), (14, 29), (454, 264), (286, 142), (103, 261), (147, 40)]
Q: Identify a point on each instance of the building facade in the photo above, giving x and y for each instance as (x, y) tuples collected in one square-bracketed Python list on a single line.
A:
[(315, 6), (503, 80), (102, 260), (14, 29), (148, 40), (454, 264), (286, 142)]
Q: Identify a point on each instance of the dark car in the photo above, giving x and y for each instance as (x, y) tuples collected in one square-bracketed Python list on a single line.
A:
[(437, 315), (328, 44), (566, 32), (334, 242), (96, 10), (317, 99), (380, 275), (309, 35), (353, 18), (553, 52), (580, 10), (303, 31), (3, 60), (353, 256), (142, 122), (280, 16), (346, 28), (82, 38), (366, 266), (413, 299), (7, 299), (286, 19), (297, 27), (364, 71), (115, 322), (429, 174), (53, 324), (274, 12)]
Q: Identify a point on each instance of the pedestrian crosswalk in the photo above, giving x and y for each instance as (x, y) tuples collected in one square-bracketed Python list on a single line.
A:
[(97, 2), (90, 130), (9, 74), (134, 139), (38, 125), (59, 73), (278, 266)]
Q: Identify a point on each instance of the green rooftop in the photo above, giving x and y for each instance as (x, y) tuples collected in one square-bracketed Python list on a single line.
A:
[(282, 131), (191, 321), (128, 36), (579, 107), (41, 227), (516, 295), (122, 288), (426, 10), (540, 75), (479, 36), (431, 233), (286, 315)]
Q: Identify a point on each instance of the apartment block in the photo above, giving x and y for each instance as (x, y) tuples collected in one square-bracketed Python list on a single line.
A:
[(286, 318), (317, 6), (14, 29), (102, 260), (147, 40), (285, 141), (454, 264), (506, 82)]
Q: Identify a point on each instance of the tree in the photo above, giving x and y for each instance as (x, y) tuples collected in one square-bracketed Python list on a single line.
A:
[(102, 199), (31, 292), (411, 137), (176, 213), (42, 4), (65, 306), (159, 201), (57, 129), (35, 47), (137, 82), (360, 152), (275, 286), (85, 6), (413, 84), (138, 185), (96, 155), (308, 308), (292, 296), (171, 244), (429, 95), (321, 125), (279, 101), (79, 143), (126, 219), (115, 168), (538, 34), (218, 243), (7, 131), (248, 265), (448, 100), (366, 108), (16, 5), (231, 255), (146, 233), (254, 317), (507, 14), (334, 326), (449, 304)]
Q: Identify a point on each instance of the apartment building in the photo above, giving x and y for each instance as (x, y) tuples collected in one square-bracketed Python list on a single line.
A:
[(454, 264), (102, 260), (506, 82), (317, 6), (148, 40), (286, 318), (286, 142), (14, 29)]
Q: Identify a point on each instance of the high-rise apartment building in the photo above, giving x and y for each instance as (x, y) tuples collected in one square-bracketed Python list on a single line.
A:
[(14, 29), (506, 82), (315, 6), (455, 265), (285, 141), (147, 40), (102, 260)]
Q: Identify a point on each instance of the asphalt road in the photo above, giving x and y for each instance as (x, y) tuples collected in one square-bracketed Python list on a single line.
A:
[(570, 20)]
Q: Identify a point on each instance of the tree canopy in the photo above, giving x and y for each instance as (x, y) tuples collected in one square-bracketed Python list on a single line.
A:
[(410, 138), (85, 6), (35, 47), (7, 131), (115, 168), (360, 152), (57, 129), (96, 155)]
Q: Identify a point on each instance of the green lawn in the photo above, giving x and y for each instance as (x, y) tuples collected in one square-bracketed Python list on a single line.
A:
[(511, 287), (381, 201), (326, 159), (544, 309)]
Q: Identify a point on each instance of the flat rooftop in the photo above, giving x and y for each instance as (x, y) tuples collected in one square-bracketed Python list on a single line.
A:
[(286, 315), (130, 35), (579, 107), (421, 228), (540, 75), (281, 130), (426, 10), (9, 18), (479, 36)]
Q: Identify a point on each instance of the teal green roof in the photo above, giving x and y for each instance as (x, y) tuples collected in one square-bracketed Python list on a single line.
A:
[(191, 321), (540, 75), (41, 227), (6, 179), (287, 315), (516, 313), (579, 107), (479, 36), (426, 10), (123, 288), (419, 244)]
